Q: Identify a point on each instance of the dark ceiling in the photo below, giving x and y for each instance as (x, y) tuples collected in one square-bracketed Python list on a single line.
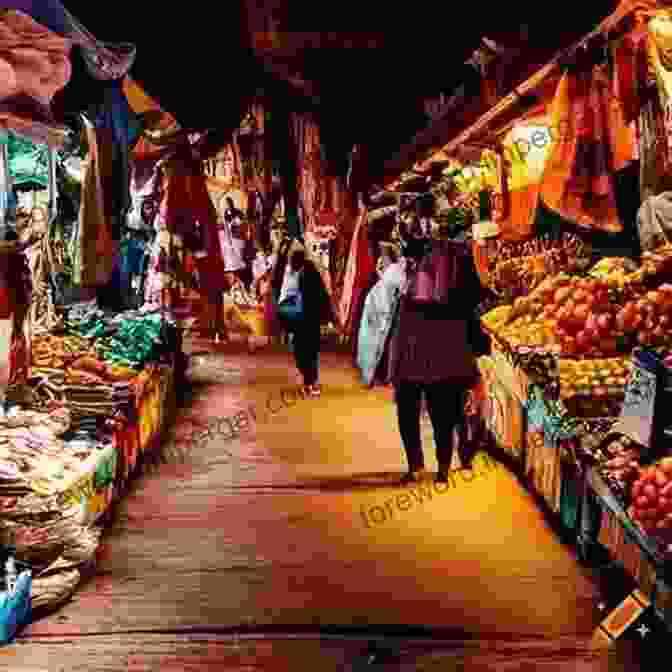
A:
[(202, 64)]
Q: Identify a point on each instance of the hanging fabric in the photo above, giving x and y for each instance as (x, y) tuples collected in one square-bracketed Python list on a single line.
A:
[(94, 249), (578, 179), (5, 185), (307, 139), (359, 274)]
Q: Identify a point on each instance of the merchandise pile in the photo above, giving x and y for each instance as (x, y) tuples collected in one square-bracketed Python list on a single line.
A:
[(63, 461), (43, 471)]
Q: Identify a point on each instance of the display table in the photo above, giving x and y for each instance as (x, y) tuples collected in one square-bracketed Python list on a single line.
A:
[(142, 434), (627, 545)]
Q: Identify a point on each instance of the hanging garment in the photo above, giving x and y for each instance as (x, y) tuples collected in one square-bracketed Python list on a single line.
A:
[(310, 183), (170, 277), (5, 185), (360, 266), (33, 60), (42, 315), (654, 156), (94, 247), (121, 128), (578, 182), (516, 175), (380, 308), (186, 204), (654, 221), (631, 71)]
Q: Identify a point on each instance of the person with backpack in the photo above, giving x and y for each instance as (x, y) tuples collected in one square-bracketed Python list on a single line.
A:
[(302, 305), (435, 342)]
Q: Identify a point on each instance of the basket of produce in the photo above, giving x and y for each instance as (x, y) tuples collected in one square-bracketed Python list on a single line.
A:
[(618, 459), (651, 500)]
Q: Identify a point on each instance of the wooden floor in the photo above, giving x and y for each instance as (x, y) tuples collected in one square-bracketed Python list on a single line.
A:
[(290, 548)]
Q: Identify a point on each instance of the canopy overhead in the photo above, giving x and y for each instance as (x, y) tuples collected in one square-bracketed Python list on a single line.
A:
[(370, 87)]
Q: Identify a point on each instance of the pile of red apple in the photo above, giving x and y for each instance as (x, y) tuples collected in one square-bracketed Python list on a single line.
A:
[(589, 321), (652, 498)]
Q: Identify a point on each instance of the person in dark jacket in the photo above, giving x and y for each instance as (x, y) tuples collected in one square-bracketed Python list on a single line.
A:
[(295, 275), (435, 343)]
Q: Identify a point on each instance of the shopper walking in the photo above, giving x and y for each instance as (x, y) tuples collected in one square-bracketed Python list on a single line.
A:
[(302, 305), (434, 344)]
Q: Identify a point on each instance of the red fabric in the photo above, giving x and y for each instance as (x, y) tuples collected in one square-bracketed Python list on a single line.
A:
[(630, 72), (19, 359), (578, 176), (366, 267), (187, 201)]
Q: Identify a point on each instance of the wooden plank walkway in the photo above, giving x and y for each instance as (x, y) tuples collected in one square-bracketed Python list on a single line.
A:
[(237, 552)]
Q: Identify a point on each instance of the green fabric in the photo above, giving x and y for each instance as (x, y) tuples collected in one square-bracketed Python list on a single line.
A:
[(28, 162), (569, 502), (106, 469)]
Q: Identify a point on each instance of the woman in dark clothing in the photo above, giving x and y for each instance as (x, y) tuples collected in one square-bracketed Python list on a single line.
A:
[(297, 276), (434, 346)]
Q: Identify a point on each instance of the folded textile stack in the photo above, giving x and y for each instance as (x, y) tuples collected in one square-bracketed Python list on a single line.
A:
[(124, 402), (84, 312), (89, 399), (136, 342), (50, 352), (36, 466)]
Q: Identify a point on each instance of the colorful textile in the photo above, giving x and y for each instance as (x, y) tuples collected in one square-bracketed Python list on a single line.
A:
[(170, 275), (187, 211), (655, 173), (361, 267), (593, 143), (94, 247), (121, 128), (518, 170), (310, 183), (33, 60), (630, 71)]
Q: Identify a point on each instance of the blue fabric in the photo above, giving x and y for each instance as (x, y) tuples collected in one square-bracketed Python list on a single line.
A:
[(15, 609), (133, 254), (116, 117), (291, 308), (380, 308)]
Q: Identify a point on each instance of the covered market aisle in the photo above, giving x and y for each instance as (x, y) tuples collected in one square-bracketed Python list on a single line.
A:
[(264, 535)]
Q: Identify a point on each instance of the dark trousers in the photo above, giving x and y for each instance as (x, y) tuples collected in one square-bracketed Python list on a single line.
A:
[(445, 403), (307, 337)]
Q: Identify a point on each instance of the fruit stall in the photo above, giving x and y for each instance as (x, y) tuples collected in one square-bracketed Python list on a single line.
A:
[(575, 383)]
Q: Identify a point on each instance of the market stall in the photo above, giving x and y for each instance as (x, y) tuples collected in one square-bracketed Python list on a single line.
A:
[(88, 359), (563, 195)]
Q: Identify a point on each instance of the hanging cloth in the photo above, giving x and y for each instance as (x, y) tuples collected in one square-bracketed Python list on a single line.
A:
[(120, 128), (94, 248), (358, 279), (578, 180), (187, 202), (5, 184)]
